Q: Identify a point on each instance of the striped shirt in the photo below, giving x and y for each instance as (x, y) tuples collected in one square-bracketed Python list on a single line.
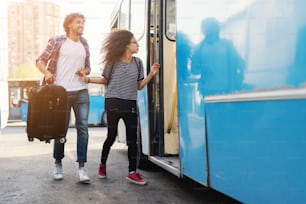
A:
[(123, 79)]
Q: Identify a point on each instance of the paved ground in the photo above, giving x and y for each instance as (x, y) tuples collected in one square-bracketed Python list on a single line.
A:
[(26, 176)]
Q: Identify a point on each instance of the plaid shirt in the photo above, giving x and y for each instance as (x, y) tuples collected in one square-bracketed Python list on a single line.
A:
[(51, 53)]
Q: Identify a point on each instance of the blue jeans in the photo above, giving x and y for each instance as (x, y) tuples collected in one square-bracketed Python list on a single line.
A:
[(79, 102)]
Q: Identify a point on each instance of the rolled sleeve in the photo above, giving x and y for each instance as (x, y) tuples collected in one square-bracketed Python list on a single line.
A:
[(46, 54)]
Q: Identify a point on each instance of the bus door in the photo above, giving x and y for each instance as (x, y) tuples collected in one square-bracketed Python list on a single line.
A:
[(154, 91), (162, 92), (177, 125), (166, 147), (191, 111)]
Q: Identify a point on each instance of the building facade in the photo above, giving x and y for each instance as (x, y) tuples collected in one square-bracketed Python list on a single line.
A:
[(30, 24)]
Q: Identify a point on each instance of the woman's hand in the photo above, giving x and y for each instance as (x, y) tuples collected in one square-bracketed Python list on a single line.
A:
[(145, 81), (81, 72), (154, 68)]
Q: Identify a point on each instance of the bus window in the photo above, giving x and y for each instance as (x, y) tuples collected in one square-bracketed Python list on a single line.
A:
[(124, 17), (138, 10), (18, 97), (170, 26)]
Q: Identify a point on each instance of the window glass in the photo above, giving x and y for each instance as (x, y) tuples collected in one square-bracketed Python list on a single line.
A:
[(124, 15), (138, 9), (170, 27)]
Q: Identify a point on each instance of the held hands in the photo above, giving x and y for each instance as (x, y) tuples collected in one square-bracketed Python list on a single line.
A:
[(82, 74)]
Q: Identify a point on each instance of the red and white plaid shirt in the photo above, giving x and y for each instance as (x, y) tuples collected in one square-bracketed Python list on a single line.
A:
[(51, 53)]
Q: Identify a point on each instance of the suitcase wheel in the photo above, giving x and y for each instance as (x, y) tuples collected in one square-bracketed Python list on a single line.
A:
[(62, 140), (31, 139)]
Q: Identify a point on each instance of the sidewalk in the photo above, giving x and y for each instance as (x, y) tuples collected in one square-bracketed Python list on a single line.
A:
[(26, 175), (16, 124)]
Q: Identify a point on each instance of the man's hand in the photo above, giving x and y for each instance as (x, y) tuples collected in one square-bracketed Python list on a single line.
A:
[(49, 78)]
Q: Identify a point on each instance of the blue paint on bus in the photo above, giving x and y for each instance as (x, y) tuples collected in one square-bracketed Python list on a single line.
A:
[(249, 98)]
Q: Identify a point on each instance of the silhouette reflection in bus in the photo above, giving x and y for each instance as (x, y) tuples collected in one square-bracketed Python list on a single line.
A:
[(216, 60)]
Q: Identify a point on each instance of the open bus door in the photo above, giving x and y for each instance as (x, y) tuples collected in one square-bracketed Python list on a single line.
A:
[(162, 91), (177, 134)]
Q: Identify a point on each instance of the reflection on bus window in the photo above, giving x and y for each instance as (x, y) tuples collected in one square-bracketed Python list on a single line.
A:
[(124, 15), (138, 21), (170, 20)]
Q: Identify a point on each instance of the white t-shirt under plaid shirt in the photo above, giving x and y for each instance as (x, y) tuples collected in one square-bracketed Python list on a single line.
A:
[(123, 79)]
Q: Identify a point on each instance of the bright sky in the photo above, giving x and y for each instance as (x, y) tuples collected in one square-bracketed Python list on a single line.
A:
[(97, 13)]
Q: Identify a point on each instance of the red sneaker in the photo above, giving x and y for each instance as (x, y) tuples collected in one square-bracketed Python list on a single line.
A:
[(136, 178), (102, 171)]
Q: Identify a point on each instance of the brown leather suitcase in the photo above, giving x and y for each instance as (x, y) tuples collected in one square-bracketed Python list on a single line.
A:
[(47, 113)]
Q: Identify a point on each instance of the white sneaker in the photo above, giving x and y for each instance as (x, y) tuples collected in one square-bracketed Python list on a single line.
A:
[(83, 176), (58, 172)]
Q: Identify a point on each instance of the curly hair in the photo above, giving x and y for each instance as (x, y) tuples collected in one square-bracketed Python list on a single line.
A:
[(115, 45), (69, 18)]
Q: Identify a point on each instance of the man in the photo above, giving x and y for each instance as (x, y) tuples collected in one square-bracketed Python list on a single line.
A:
[(64, 60)]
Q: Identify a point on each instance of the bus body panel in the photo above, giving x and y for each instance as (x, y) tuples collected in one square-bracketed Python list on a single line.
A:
[(257, 150), (193, 156), (143, 120), (96, 110), (265, 47), (191, 120)]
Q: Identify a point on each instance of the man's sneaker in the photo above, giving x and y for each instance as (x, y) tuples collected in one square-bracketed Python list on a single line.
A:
[(83, 176), (58, 172), (135, 178), (102, 171)]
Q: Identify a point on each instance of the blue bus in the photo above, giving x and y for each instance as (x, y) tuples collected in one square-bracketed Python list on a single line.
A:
[(18, 90), (97, 114), (228, 106), (18, 102)]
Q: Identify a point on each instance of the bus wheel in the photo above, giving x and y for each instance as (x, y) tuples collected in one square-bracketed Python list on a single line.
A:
[(104, 119)]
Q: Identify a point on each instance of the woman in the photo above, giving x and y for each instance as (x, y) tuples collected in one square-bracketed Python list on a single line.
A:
[(123, 74)]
